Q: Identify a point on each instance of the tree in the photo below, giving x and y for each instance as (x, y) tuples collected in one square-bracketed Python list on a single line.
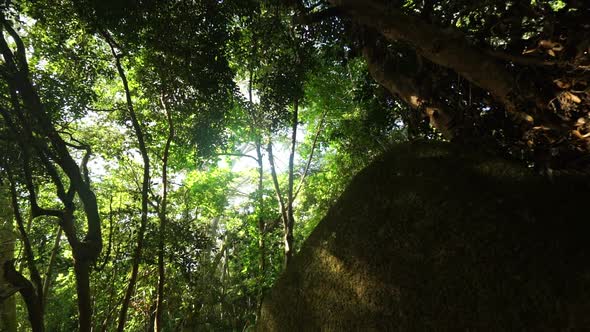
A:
[(442, 44), (34, 132)]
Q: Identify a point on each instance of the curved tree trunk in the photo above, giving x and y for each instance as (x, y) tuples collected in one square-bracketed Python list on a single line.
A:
[(144, 187), (29, 294), (33, 301), (35, 132)]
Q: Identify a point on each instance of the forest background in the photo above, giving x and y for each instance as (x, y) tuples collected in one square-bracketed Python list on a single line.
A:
[(162, 161)]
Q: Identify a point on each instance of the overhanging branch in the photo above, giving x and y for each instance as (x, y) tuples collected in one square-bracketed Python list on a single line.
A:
[(446, 47)]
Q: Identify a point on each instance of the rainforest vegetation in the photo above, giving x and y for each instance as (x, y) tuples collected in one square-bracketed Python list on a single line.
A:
[(161, 161)]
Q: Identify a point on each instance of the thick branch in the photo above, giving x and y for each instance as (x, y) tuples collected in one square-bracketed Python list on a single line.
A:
[(446, 47), (318, 16), (408, 90), (27, 291)]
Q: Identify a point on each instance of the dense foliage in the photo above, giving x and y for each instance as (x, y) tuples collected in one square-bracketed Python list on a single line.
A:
[(161, 161)]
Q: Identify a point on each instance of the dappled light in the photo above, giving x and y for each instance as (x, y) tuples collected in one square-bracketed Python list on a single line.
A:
[(294, 165)]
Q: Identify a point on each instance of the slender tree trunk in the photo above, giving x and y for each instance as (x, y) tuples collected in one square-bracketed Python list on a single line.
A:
[(286, 205), (28, 249), (8, 321), (107, 255), (113, 302), (163, 221), (260, 197), (290, 222), (261, 223), (311, 153), (144, 189), (275, 181), (50, 266)]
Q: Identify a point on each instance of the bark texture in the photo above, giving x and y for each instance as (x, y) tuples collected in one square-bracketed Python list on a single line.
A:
[(429, 237), (7, 241), (34, 132), (28, 293), (446, 47)]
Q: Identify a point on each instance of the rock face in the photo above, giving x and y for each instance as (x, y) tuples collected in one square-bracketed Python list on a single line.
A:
[(428, 238)]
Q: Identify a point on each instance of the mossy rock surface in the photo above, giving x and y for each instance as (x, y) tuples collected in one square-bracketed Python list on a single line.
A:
[(430, 238)]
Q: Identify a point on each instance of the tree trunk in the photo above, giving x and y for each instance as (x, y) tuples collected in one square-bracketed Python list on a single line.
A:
[(275, 181), (82, 271), (51, 265), (261, 226), (29, 294), (20, 281), (144, 189), (7, 239), (35, 131), (260, 198), (290, 222), (310, 157), (162, 215), (286, 205)]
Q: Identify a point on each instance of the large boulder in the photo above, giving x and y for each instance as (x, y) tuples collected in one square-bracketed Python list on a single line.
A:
[(431, 238)]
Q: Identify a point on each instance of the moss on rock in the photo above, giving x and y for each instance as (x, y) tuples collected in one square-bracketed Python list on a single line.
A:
[(429, 237)]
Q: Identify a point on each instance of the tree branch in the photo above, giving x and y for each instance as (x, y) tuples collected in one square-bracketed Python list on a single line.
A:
[(445, 47), (413, 93), (275, 181), (308, 164), (237, 154), (318, 16)]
